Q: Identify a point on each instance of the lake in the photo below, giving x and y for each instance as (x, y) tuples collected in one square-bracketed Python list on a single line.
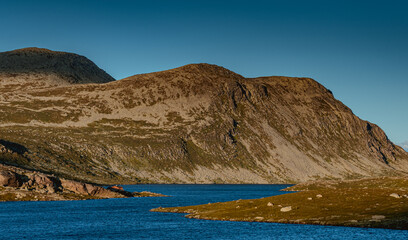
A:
[(129, 218)]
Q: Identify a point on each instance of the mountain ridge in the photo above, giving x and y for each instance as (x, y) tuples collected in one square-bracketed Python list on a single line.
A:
[(199, 123)]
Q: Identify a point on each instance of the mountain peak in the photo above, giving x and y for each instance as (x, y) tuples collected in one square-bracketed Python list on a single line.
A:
[(207, 68), (197, 71), (69, 67), (202, 66), (33, 50)]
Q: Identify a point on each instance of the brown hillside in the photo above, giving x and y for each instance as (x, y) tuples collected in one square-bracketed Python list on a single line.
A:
[(197, 123)]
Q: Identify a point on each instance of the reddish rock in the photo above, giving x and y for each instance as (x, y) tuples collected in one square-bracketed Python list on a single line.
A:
[(51, 186), (42, 180), (88, 189), (120, 190), (10, 179), (116, 188)]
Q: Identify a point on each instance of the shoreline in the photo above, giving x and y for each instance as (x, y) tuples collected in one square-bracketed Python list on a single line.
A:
[(17, 184), (367, 203)]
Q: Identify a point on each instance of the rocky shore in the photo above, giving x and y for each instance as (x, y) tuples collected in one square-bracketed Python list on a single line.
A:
[(376, 203), (18, 184)]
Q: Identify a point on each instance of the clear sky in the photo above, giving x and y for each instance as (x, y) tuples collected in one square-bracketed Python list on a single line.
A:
[(357, 49)]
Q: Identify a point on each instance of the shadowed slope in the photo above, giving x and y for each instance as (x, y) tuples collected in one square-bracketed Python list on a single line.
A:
[(63, 67)]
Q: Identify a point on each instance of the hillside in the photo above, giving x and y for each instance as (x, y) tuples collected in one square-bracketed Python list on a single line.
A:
[(38, 68), (199, 123)]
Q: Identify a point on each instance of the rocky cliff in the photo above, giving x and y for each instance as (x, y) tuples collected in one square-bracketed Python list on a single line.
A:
[(199, 123)]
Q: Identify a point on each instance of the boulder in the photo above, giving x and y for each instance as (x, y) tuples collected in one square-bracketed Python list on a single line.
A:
[(378, 217), (10, 179), (286, 209), (395, 195), (42, 181)]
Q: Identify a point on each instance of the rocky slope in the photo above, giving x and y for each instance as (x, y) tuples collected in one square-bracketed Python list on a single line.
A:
[(199, 123), (17, 184)]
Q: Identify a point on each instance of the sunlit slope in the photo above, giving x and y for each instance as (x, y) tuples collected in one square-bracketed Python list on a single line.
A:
[(197, 123)]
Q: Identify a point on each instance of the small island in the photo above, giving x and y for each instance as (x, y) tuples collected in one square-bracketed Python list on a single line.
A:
[(375, 203)]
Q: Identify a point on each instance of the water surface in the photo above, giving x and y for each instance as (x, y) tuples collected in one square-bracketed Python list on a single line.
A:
[(130, 218)]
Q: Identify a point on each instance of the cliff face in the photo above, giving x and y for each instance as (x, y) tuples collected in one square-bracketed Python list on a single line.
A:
[(197, 123)]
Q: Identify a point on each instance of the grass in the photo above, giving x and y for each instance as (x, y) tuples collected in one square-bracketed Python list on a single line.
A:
[(358, 203)]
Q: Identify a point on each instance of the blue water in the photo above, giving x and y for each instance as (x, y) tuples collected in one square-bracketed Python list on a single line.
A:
[(130, 218)]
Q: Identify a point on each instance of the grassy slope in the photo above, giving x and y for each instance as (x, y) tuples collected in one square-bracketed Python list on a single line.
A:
[(358, 203), (195, 124)]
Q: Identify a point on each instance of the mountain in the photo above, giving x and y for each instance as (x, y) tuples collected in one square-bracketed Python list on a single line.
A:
[(199, 123), (38, 67), (404, 145)]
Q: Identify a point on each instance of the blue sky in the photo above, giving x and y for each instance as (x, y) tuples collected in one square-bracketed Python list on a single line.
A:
[(357, 49)]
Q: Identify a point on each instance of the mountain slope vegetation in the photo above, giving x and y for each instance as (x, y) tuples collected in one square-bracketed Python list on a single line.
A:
[(199, 123)]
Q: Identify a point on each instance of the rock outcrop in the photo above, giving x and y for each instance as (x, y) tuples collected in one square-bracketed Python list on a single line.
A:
[(18, 184), (92, 190), (14, 177), (9, 178)]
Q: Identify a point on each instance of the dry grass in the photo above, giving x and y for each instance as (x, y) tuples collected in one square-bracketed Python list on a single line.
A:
[(361, 203), (196, 124)]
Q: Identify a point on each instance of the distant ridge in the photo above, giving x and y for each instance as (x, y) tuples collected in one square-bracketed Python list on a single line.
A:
[(70, 67)]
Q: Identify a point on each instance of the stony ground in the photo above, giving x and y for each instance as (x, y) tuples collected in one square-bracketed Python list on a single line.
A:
[(378, 203), (8, 194), (17, 184)]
